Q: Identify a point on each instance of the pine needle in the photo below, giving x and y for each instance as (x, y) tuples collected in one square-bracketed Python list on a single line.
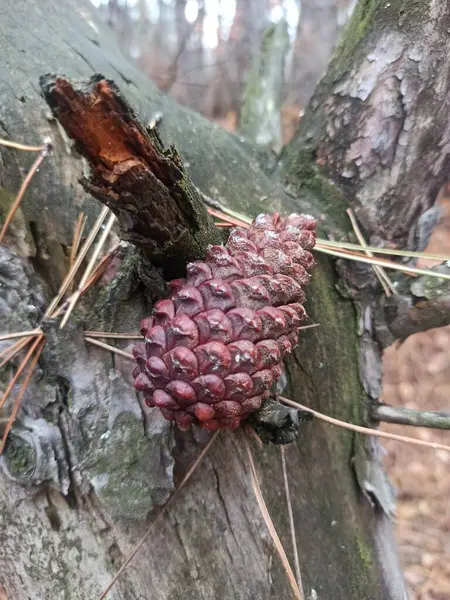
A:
[(108, 347), (112, 334), (9, 144), (22, 366), (98, 272), (233, 219), (270, 526), (375, 250), (19, 334), (163, 510), (23, 188), (79, 259), (21, 393), (386, 283), (347, 255), (322, 417), (363, 430), (89, 269), (291, 520), (77, 235), (9, 353), (100, 268), (312, 326)]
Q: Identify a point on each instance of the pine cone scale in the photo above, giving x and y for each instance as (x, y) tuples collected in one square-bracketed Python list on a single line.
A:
[(213, 350)]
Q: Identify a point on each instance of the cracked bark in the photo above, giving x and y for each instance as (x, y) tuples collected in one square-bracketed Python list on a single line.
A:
[(159, 209), (377, 122), (128, 474)]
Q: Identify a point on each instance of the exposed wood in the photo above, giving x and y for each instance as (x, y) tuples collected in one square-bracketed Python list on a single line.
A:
[(147, 187)]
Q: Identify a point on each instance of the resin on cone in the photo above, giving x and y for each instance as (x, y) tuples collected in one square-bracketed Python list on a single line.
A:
[(212, 351)]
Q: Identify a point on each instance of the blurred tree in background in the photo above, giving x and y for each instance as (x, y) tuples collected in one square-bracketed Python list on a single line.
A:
[(200, 52)]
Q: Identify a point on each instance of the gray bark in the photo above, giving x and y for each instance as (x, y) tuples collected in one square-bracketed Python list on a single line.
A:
[(377, 122), (83, 474)]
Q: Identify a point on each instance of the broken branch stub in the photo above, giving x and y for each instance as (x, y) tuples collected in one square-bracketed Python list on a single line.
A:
[(145, 185)]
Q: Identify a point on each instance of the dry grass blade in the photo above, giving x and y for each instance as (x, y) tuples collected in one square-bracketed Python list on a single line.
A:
[(22, 366), (77, 235), (84, 250), (16, 146), (9, 353), (291, 521), (20, 394), (375, 250), (164, 509), (113, 335), (84, 280), (381, 262), (270, 526), (19, 334), (108, 347), (364, 430), (23, 188), (386, 283)]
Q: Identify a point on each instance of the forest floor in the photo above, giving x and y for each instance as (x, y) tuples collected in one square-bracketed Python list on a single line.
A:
[(417, 375)]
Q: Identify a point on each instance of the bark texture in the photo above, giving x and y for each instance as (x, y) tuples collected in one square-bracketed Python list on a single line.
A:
[(377, 122), (82, 474), (159, 209)]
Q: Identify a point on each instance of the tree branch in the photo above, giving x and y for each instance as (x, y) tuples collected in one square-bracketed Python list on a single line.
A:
[(378, 122), (146, 186), (407, 416)]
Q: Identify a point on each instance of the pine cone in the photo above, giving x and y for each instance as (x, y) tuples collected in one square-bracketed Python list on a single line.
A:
[(213, 350)]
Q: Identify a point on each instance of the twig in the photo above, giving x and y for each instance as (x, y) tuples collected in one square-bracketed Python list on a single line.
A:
[(270, 526), (112, 334), (23, 188), (84, 250), (21, 393), (22, 366), (291, 521), (379, 272), (363, 430), (164, 509), (19, 334), (9, 353), (17, 146), (408, 416), (75, 297), (108, 347)]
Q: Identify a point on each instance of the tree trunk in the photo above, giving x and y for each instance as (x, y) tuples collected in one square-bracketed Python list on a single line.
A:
[(83, 474)]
